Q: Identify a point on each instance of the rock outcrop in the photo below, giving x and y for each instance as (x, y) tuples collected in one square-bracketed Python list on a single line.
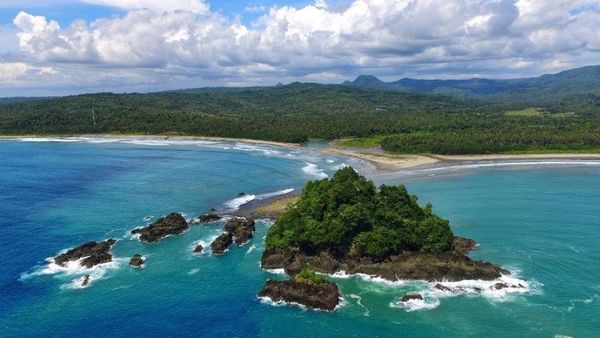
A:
[(322, 296), (221, 243), (86, 281), (239, 229), (90, 253), (411, 297), (137, 260), (206, 218), (172, 224), (198, 248), (449, 266)]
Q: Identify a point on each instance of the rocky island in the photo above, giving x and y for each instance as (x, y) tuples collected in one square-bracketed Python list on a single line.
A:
[(172, 224), (89, 254), (237, 229), (346, 224)]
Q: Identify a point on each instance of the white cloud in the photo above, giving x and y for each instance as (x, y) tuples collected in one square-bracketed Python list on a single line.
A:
[(159, 6), (13, 71), (182, 41)]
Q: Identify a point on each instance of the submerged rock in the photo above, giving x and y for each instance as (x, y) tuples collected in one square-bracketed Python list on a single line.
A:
[(172, 224), (90, 253), (322, 296), (221, 243), (86, 281), (206, 218), (411, 297), (198, 248), (442, 287), (137, 260)]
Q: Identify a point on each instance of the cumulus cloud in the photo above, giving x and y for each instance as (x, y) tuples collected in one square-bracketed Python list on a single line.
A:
[(183, 39), (13, 71)]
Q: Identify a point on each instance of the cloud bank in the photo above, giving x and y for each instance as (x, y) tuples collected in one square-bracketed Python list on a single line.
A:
[(168, 44)]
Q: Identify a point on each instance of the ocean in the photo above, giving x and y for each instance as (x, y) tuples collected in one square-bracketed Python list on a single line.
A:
[(538, 220)]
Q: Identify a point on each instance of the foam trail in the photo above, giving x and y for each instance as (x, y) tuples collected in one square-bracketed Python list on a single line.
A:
[(236, 203), (274, 194), (193, 272), (314, 170)]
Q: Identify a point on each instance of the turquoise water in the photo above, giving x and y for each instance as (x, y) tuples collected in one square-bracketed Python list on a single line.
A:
[(540, 221)]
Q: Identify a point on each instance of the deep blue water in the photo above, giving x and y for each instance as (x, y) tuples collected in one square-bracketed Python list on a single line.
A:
[(541, 222)]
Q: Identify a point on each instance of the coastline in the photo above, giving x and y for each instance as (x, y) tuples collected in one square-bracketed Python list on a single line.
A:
[(383, 161)]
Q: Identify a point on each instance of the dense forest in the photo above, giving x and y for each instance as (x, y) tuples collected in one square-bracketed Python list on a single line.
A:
[(348, 215), (406, 121)]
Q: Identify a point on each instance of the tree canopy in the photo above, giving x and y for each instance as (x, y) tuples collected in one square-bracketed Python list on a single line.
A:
[(348, 214)]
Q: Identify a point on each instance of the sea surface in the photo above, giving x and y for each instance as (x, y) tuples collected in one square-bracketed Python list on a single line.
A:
[(541, 221)]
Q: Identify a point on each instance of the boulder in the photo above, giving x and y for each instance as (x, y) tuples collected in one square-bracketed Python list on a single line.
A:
[(411, 297), (86, 281), (137, 260), (221, 243), (241, 228), (172, 224), (90, 253), (442, 287), (206, 218), (322, 296), (198, 248)]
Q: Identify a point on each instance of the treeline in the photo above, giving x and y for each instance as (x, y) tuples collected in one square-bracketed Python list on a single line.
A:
[(299, 112)]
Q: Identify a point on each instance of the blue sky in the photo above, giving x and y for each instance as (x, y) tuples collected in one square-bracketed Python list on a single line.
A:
[(56, 47)]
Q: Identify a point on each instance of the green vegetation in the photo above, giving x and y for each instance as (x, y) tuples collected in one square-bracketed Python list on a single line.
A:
[(566, 117), (309, 276), (347, 214)]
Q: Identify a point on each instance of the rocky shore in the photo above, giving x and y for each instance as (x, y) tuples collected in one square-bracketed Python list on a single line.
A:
[(321, 296), (450, 266), (90, 254), (172, 224)]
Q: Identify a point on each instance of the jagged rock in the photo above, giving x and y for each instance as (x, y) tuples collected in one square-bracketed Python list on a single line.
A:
[(221, 243), (449, 266), (137, 260), (412, 297), (500, 286), (241, 228), (93, 253), (198, 248), (322, 296), (463, 246), (242, 194), (86, 280), (442, 287), (172, 224), (206, 218)]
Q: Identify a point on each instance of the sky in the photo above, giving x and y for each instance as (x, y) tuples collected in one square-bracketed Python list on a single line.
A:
[(60, 47)]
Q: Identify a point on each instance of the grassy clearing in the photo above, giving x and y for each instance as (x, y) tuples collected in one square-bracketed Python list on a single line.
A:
[(362, 142), (528, 112)]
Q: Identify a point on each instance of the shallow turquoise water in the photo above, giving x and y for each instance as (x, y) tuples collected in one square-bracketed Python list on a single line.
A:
[(541, 222)]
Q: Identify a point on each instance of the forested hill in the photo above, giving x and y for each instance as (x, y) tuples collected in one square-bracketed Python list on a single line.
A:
[(293, 113), (397, 120), (536, 91)]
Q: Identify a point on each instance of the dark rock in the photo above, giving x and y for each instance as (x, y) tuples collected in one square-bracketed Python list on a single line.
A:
[(408, 265), (412, 297), (442, 287), (242, 194), (322, 296), (93, 253), (221, 243), (172, 224), (463, 246), (241, 228), (137, 260), (500, 286), (86, 280), (206, 218), (198, 248)]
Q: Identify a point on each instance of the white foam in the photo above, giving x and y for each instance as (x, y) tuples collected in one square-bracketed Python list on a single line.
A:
[(583, 301), (359, 303), (250, 249), (417, 304), (193, 272), (274, 194), (314, 170), (236, 203), (513, 164), (368, 278), (269, 301), (275, 271)]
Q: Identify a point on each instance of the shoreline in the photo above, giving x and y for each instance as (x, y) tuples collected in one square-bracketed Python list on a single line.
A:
[(384, 162)]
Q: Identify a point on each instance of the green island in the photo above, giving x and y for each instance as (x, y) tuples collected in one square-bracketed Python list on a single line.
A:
[(347, 225)]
